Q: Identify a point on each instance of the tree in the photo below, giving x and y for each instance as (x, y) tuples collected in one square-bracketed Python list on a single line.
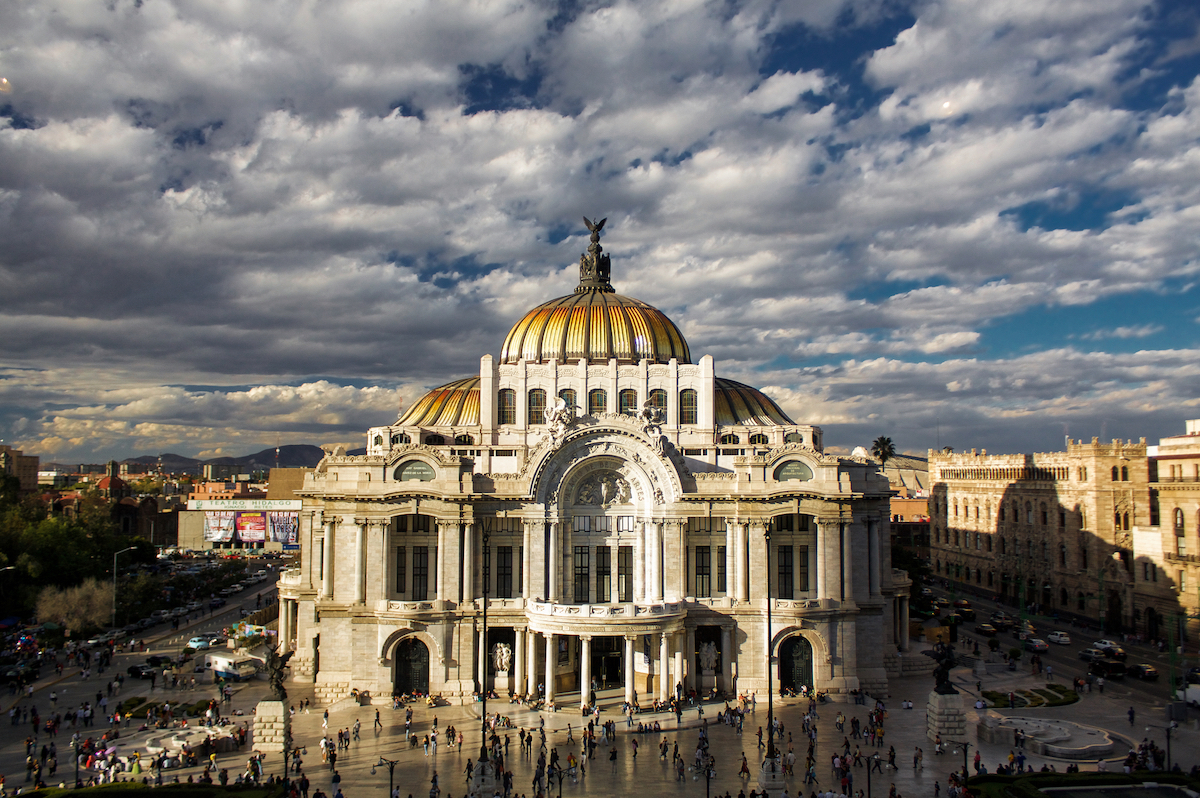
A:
[(76, 608), (883, 449)]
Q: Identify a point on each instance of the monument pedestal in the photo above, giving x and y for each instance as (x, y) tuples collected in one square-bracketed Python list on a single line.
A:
[(272, 727), (708, 679), (501, 683), (945, 716), (770, 776), (484, 781)]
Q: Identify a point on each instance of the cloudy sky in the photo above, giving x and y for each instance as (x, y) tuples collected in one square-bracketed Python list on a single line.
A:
[(226, 224)]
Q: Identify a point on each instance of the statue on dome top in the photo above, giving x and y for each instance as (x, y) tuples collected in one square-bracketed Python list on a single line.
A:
[(594, 266)]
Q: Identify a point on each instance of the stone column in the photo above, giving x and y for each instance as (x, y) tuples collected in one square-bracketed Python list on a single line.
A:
[(360, 562), (443, 584), (903, 630), (820, 577), (757, 544), (388, 582), (468, 565), (629, 669), (531, 666), (873, 547), (664, 668), (518, 685), (327, 558), (846, 538), (585, 669), (653, 561), (551, 661), (481, 660), (554, 559), (731, 575), (689, 653), (285, 637), (678, 674), (526, 534), (743, 555), (639, 562), (726, 658)]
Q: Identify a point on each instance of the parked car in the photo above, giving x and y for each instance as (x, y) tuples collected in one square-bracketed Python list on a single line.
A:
[(986, 629), (217, 603), (227, 591), (198, 643), (141, 671), (1036, 644), (104, 638), (1144, 671), (1091, 654), (130, 628), (1061, 638), (146, 623), (160, 615)]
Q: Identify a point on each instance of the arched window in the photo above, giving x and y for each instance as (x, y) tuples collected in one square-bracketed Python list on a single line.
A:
[(1178, 521), (688, 410), (730, 440), (568, 395), (400, 438), (597, 402), (464, 440), (1114, 473), (537, 406), (629, 403), (1124, 473), (793, 437), (506, 406), (758, 439), (1062, 554), (1029, 513), (658, 398), (1126, 526), (1045, 515), (379, 440), (435, 440)]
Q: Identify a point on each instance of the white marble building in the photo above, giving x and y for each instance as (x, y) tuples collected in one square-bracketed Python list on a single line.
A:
[(625, 494)]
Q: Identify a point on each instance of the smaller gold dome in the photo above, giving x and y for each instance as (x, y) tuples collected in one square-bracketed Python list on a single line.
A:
[(737, 403), (455, 404)]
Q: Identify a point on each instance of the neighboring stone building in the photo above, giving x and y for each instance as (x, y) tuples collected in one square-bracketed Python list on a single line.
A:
[(626, 539), (1076, 532), (24, 467), (1168, 548)]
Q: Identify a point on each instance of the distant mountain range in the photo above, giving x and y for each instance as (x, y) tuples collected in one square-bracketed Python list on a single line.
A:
[(300, 455)]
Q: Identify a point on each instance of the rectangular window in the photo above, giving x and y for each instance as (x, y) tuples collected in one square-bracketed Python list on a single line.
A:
[(537, 406), (625, 573), (520, 570), (603, 574), (486, 588), (703, 572), (721, 575), (688, 413), (625, 523), (582, 523), (321, 559), (802, 567), (400, 570), (786, 573), (504, 571), (582, 574), (420, 573), (602, 523)]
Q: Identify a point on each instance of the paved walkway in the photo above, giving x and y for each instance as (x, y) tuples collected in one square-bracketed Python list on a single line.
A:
[(905, 729)]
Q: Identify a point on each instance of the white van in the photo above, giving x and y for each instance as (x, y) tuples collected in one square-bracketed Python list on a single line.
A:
[(228, 667)]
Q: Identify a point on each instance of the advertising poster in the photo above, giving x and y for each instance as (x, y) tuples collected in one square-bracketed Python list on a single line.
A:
[(218, 526), (285, 527), (251, 527)]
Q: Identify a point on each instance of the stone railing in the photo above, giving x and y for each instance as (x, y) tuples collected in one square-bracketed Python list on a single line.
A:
[(626, 611), (806, 604), (290, 577)]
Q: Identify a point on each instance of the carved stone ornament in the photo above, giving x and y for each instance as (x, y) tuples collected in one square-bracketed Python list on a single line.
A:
[(603, 489)]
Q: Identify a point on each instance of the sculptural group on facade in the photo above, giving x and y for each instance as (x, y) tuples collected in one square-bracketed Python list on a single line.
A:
[(604, 489), (708, 656), (559, 419), (501, 657)]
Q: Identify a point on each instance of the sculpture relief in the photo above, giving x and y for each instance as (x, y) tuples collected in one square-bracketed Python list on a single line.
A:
[(708, 656), (559, 419), (604, 489), (501, 657)]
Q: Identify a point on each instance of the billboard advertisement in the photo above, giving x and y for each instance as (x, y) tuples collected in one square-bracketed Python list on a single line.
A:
[(255, 526)]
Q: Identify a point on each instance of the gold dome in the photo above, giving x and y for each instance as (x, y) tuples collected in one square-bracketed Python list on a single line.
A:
[(595, 325), (455, 404), (741, 404)]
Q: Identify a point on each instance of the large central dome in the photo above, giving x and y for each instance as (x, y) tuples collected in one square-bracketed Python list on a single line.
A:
[(595, 323)]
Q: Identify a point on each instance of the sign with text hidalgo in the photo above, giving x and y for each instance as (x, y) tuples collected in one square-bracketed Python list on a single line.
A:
[(244, 504)]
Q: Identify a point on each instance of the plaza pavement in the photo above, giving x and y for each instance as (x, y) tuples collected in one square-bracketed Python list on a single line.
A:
[(905, 729)]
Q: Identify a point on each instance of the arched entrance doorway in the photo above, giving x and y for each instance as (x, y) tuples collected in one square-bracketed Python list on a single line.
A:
[(795, 663), (412, 666)]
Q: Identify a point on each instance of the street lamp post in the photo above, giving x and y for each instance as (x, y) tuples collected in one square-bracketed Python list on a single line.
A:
[(75, 754), (770, 656), (965, 749), (114, 611), (485, 524), (391, 766), (709, 761), (1170, 727)]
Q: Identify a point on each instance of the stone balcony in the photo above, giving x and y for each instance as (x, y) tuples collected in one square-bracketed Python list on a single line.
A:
[(290, 577), (606, 619)]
